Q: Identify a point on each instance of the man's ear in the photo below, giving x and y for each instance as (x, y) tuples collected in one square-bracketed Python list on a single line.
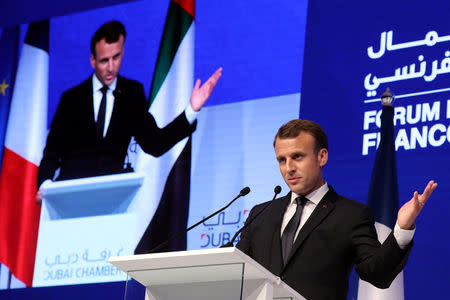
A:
[(322, 157), (92, 59)]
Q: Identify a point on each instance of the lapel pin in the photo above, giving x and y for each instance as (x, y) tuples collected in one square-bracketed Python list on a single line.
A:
[(325, 206)]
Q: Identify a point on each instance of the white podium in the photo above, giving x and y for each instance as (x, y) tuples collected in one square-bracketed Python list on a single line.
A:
[(84, 222), (222, 273)]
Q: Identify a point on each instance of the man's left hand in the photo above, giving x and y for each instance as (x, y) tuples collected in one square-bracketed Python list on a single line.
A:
[(201, 93), (411, 209)]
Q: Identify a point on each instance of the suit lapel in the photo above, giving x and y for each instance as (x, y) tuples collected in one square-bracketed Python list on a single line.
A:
[(89, 90), (276, 255), (322, 210), (116, 108)]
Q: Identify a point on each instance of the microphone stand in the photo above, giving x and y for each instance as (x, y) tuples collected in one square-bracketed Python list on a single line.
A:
[(243, 192), (276, 190)]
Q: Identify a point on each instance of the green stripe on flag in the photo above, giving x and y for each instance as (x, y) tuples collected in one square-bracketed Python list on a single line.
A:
[(177, 24)]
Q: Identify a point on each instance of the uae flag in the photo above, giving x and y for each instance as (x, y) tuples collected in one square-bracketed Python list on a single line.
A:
[(24, 142), (164, 195), (383, 201)]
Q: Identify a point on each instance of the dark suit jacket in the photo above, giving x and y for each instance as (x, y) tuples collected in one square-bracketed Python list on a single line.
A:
[(340, 233), (72, 143)]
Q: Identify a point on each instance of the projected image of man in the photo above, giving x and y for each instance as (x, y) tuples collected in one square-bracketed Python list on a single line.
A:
[(95, 120)]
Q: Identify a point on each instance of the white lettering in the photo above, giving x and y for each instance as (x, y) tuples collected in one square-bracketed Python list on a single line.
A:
[(369, 118), (402, 140), (369, 140), (431, 135), (409, 112), (431, 114), (448, 134), (418, 137), (378, 121), (399, 115), (448, 109)]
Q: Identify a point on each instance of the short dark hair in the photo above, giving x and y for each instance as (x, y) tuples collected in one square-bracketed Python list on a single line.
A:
[(110, 31), (293, 128)]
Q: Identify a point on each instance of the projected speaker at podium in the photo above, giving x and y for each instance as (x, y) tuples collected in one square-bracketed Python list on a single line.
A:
[(88, 212)]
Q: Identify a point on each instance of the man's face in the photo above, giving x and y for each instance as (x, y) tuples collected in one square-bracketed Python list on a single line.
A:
[(300, 166), (107, 60)]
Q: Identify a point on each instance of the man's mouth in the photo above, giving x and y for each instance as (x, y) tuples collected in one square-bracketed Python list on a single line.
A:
[(293, 179)]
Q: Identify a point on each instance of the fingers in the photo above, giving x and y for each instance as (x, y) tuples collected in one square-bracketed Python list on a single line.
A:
[(429, 189), (422, 199), (39, 197), (217, 73), (418, 200), (215, 77), (211, 80), (209, 85), (201, 93), (197, 84)]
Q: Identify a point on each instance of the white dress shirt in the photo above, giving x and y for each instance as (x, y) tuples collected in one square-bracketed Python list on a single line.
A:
[(403, 237), (98, 95), (190, 114)]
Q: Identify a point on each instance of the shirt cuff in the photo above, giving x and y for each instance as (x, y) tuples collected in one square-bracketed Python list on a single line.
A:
[(402, 236), (191, 114), (45, 184)]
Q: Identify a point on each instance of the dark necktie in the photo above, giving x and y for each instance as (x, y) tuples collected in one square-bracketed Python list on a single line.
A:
[(101, 113), (287, 238)]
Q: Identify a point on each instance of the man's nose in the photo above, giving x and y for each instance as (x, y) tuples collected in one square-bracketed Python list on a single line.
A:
[(290, 165), (110, 65)]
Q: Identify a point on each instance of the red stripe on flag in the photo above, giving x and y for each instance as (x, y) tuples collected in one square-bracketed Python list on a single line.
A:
[(187, 5), (19, 216)]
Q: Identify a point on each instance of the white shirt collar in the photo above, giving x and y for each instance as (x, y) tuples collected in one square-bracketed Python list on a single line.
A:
[(315, 196), (97, 84)]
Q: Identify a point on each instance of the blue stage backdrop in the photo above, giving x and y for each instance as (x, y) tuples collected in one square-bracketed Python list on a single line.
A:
[(354, 50), (350, 53)]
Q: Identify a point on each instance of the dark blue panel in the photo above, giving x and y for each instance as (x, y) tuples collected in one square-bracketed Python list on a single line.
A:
[(336, 63), (26, 11)]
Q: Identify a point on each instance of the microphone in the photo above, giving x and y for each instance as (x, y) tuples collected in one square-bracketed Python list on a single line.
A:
[(243, 192), (127, 168), (276, 190)]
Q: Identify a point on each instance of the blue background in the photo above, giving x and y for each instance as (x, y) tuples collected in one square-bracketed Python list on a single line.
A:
[(266, 51), (335, 64)]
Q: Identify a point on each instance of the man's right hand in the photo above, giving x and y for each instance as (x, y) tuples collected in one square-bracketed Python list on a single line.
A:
[(201, 93), (410, 210), (39, 196)]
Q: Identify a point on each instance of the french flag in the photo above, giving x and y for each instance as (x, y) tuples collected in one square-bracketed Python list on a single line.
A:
[(383, 201), (24, 143)]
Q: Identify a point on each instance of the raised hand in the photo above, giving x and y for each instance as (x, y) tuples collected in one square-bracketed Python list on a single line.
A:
[(408, 213), (201, 93)]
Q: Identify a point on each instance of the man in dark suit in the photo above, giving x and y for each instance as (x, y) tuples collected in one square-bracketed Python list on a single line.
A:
[(313, 237), (94, 122)]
